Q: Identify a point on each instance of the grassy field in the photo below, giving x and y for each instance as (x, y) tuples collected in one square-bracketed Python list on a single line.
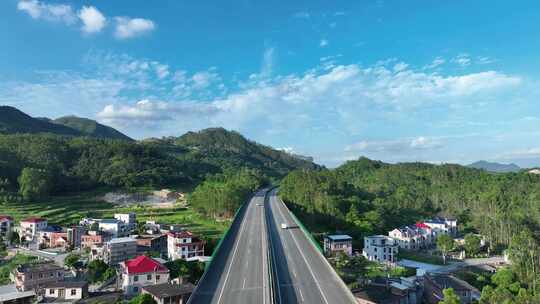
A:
[(420, 257), (66, 210)]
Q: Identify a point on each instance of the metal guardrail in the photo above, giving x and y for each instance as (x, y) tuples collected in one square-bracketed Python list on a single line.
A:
[(274, 286)]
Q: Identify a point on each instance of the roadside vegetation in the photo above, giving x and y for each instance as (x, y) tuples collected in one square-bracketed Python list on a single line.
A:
[(366, 197)]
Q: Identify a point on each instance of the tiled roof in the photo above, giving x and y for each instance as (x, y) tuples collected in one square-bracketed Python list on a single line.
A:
[(5, 218), (169, 290), (181, 234), (339, 237), (144, 264), (34, 219), (422, 225)]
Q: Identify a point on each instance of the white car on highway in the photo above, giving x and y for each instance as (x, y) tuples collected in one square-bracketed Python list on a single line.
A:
[(284, 226)]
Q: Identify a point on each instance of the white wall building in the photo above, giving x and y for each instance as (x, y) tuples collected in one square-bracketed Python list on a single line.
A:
[(442, 225), (66, 290), (380, 248), (30, 228), (141, 271), (183, 245), (119, 250), (114, 227), (6, 227), (129, 219)]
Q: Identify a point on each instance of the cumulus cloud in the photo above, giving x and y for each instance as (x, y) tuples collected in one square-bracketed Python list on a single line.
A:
[(435, 63), (93, 21), (50, 12), (132, 27), (323, 43)]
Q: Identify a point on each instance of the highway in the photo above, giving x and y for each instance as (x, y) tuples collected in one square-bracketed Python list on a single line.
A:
[(239, 272), (301, 272)]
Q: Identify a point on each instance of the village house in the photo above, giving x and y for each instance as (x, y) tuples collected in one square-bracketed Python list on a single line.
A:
[(380, 248), (441, 225), (94, 238), (74, 236), (152, 243), (66, 290), (6, 227), (119, 250), (35, 276), (334, 244), (389, 291), (30, 227), (411, 237), (114, 227), (129, 220), (183, 245), (141, 271), (434, 284), (58, 240), (168, 293)]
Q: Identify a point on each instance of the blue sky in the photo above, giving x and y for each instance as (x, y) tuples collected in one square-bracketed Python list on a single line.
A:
[(434, 81)]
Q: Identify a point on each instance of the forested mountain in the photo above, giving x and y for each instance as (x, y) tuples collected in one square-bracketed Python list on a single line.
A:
[(494, 167), (69, 163), (90, 127), (14, 121), (230, 149)]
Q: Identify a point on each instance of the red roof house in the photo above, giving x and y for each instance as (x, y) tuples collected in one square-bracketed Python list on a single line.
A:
[(142, 271), (6, 218)]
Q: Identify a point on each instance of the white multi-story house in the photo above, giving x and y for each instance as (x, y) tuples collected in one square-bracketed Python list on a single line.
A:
[(129, 219), (380, 248), (114, 227), (411, 237), (6, 227), (334, 244), (442, 225), (141, 271), (183, 245), (30, 227)]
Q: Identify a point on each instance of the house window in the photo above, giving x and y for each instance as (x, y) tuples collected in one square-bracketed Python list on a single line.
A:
[(148, 277), (136, 278), (51, 291), (73, 292), (135, 289), (158, 277)]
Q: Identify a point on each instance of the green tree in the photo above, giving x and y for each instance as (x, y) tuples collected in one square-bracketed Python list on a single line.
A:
[(14, 238), (445, 243), (450, 297), (34, 184), (472, 244), (71, 260), (143, 299), (96, 271)]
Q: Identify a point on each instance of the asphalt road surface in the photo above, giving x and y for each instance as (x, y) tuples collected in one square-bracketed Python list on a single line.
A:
[(302, 273), (239, 272)]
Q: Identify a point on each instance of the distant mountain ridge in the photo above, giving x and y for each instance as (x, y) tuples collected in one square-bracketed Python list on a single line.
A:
[(13, 121), (494, 167)]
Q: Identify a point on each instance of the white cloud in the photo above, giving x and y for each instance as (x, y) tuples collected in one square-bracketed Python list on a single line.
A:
[(323, 43), (93, 21), (435, 63), (462, 59), (485, 60), (128, 28), (162, 70), (50, 12), (204, 79), (396, 145)]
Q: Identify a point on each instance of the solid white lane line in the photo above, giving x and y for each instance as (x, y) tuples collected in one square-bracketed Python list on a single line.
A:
[(245, 219), (301, 295), (244, 284), (305, 259)]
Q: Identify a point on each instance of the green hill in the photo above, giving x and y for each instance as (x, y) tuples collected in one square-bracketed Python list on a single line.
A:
[(14, 121), (90, 127), (230, 149)]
